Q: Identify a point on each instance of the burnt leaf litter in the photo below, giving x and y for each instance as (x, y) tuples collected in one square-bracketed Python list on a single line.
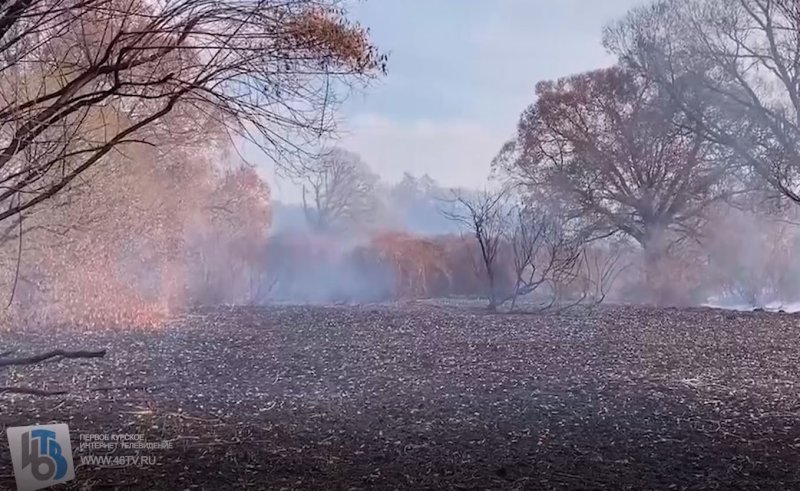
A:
[(422, 396)]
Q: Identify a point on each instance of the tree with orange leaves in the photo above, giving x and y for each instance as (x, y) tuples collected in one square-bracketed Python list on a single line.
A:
[(130, 244), (264, 70), (227, 244), (613, 150)]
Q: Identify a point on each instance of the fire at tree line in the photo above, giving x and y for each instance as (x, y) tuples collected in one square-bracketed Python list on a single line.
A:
[(669, 178)]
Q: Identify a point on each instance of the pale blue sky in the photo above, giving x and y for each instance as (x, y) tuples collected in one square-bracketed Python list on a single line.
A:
[(460, 73)]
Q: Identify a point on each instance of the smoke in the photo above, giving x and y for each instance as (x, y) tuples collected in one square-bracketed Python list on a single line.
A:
[(751, 259), (316, 268), (136, 242), (741, 259), (132, 262), (403, 247)]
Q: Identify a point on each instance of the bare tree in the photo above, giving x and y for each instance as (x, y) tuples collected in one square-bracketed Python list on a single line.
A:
[(527, 249), (485, 214), (733, 66), (601, 265), (81, 78), (543, 253), (342, 190)]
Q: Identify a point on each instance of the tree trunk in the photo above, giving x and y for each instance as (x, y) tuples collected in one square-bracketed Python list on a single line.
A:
[(492, 289), (655, 251), (516, 295)]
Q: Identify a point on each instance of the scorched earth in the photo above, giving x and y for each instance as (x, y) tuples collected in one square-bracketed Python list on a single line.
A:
[(427, 396)]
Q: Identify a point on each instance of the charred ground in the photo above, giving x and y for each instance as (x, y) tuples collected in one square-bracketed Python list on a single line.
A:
[(423, 396)]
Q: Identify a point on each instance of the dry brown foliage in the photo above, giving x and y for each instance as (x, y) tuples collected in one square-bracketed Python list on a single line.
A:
[(142, 236), (388, 265), (419, 266), (82, 79)]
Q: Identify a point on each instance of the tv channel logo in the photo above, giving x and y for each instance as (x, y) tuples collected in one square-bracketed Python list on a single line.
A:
[(41, 455)]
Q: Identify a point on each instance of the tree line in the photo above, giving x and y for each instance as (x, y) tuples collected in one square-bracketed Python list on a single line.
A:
[(680, 159)]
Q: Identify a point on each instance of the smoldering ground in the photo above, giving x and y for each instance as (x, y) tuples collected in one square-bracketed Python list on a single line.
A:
[(424, 395)]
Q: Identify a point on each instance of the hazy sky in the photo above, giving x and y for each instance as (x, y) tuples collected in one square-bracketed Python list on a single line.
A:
[(460, 73)]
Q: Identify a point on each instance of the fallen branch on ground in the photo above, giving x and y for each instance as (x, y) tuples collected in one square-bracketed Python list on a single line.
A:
[(45, 393), (126, 387), (32, 392), (30, 360)]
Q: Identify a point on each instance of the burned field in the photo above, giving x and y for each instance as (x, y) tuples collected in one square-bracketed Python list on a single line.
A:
[(421, 396)]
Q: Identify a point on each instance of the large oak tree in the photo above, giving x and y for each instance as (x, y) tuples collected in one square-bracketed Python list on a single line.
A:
[(609, 147)]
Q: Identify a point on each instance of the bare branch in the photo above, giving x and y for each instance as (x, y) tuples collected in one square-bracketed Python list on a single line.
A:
[(31, 360)]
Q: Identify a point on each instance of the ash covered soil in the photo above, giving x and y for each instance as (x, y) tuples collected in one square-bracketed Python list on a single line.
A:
[(422, 396)]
